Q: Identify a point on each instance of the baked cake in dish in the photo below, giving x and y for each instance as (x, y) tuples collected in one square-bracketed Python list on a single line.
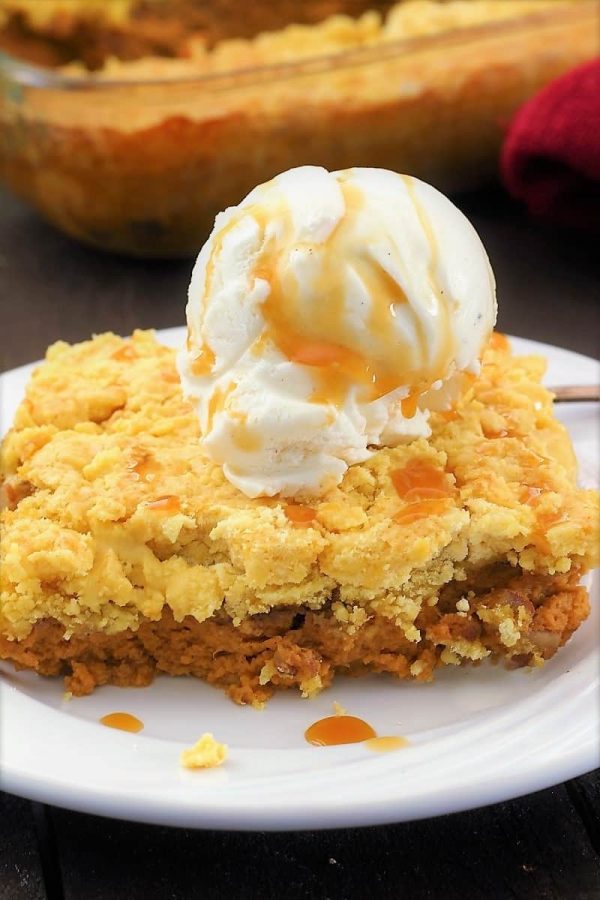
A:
[(125, 553), (176, 37), (143, 125), (53, 32)]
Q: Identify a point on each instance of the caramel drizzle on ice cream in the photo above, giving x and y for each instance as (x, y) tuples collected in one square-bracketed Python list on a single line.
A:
[(315, 331), (312, 327)]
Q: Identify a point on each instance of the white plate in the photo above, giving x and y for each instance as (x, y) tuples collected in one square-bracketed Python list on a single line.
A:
[(476, 736)]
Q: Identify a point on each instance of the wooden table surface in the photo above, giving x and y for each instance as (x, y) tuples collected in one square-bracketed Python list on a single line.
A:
[(545, 846)]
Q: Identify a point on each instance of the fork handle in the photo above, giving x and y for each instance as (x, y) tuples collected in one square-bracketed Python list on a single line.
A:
[(575, 393)]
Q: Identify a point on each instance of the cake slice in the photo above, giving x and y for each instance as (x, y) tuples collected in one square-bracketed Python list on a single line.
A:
[(126, 553)]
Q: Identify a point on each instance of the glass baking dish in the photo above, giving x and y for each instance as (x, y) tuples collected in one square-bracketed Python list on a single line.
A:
[(142, 167)]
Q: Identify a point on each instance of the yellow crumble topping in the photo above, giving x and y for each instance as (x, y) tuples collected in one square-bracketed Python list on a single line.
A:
[(117, 516)]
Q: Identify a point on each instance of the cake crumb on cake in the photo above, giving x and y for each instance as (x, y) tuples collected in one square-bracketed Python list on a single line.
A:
[(207, 753)]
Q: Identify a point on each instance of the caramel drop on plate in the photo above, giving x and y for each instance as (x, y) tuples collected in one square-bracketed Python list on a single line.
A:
[(123, 721), (339, 730), (299, 515), (169, 504), (386, 744)]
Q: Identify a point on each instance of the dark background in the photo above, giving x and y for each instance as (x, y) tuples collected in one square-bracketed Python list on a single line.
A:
[(544, 846)]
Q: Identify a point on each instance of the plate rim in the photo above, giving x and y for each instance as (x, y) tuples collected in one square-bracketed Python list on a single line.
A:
[(317, 812)]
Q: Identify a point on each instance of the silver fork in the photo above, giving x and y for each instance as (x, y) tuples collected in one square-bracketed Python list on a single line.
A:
[(575, 393)]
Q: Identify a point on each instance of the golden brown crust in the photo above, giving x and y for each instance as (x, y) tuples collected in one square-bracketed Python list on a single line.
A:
[(521, 624)]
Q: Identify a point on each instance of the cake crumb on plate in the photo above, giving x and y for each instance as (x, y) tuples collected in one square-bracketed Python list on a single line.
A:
[(207, 753)]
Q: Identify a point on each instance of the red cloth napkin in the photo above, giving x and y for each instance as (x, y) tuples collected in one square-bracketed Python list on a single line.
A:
[(551, 155)]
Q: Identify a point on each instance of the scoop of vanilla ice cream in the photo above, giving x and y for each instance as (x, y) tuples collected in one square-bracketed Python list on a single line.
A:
[(327, 313)]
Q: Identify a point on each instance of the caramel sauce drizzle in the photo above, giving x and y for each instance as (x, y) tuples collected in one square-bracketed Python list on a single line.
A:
[(170, 374), (420, 480), (499, 341), (123, 721), (203, 364), (543, 522), (314, 331), (245, 438), (409, 405), (493, 435), (425, 489), (531, 496), (167, 504), (126, 353), (299, 515), (217, 403), (421, 509), (303, 331), (144, 466), (443, 303), (449, 415)]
